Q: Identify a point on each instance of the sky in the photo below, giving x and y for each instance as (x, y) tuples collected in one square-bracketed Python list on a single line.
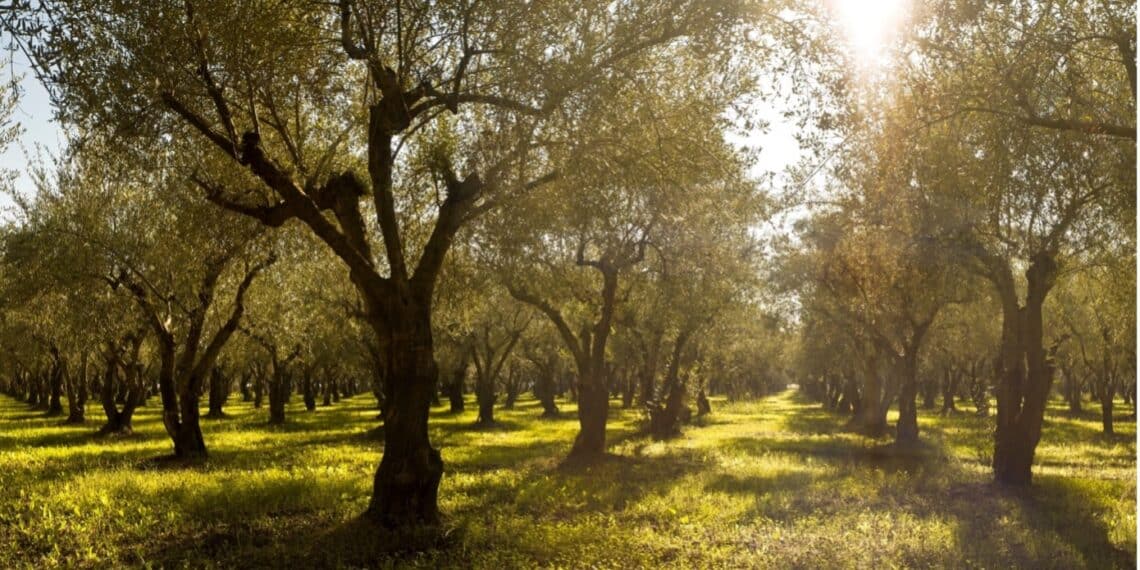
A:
[(34, 114)]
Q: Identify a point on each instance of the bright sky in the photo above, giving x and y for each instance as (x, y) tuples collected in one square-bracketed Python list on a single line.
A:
[(870, 25), (34, 114)]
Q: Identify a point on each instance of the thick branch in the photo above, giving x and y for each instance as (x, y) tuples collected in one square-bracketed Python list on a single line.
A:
[(199, 124), (272, 216), (210, 356), (555, 316)]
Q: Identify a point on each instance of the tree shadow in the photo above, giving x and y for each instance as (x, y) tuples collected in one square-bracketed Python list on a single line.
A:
[(1057, 523)]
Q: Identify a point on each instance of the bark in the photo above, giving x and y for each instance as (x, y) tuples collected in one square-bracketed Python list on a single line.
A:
[(182, 374), (872, 418), (258, 380), (1072, 389), (219, 392), (513, 387), (703, 405), (56, 377), (188, 440), (929, 393), (1025, 374), (648, 371), (906, 431), (485, 396), (309, 391), (279, 387), (458, 380), (665, 417), (77, 394), (406, 485), (245, 388), (1106, 411), (119, 421), (546, 385)]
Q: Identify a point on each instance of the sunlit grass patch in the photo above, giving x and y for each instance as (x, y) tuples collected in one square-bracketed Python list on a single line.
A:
[(774, 483)]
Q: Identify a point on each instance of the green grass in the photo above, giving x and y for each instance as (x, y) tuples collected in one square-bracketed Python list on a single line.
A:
[(768, 484)]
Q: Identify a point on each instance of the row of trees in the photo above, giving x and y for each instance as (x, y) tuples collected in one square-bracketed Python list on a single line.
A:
[(979, 230), (397, 191), (387, 195)]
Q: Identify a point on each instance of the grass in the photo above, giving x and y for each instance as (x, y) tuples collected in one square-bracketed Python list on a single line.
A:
[(768, 484)]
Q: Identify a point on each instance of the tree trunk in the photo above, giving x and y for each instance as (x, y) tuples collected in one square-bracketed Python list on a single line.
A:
[(77, 394), (219, 392), (906, 432), (1025, 377), (1106, 410), (485, 396), (406, 485), (1072, 390), (665, 417), (703, 405), (188, 441), (545, 387), (593, 409), (455, 390), (929, 393), (258, 381), (872, 418), (55, 404), (850, 403), (628, 388), (514, 386), (949, 387), (278, 394), (244, 387), (648, 371), (309, 391)]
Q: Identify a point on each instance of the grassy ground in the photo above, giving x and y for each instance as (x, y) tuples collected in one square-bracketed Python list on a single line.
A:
[(769, 484)]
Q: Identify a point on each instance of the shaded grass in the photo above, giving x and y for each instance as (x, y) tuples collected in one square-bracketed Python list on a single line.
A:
[(776, 483)]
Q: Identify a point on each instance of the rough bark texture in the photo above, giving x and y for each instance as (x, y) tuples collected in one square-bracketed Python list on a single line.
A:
[(1025, 374), (406, 484)]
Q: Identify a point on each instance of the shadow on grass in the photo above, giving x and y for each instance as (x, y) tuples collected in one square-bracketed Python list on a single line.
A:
[(988, 518)]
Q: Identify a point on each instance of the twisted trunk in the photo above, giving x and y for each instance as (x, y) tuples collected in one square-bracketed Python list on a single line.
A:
[(406, 484), (1025, 374)]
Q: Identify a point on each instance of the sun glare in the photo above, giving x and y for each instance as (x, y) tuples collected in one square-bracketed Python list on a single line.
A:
[(870, 25)]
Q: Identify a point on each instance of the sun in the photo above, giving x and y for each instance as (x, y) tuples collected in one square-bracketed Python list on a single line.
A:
[(870, 26)]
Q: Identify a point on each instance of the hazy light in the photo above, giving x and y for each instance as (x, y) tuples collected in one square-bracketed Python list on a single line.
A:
[(870, 26)]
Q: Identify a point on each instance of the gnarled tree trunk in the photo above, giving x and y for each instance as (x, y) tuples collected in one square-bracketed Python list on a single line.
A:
[(1025, 375), (406, 484)]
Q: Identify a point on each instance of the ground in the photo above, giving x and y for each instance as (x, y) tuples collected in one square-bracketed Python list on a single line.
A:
[(775, 483)]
